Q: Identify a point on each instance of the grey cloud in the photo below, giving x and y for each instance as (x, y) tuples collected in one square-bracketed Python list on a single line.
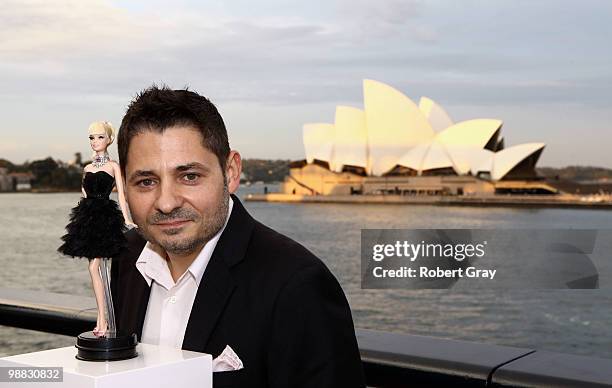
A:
[(274, 62), (391, 12)]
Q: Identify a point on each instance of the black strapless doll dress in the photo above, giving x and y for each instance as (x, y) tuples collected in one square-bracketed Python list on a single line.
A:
[(96, 224)]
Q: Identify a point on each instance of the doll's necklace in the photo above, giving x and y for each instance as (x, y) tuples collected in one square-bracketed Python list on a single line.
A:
[(99, 161)]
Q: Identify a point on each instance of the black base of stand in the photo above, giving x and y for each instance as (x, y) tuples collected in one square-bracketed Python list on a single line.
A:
[(92, 348)]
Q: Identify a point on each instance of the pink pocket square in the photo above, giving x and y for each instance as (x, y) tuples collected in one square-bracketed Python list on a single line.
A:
[(228, 360)]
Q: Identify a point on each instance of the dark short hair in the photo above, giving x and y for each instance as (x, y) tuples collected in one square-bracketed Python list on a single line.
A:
[(158, 108)]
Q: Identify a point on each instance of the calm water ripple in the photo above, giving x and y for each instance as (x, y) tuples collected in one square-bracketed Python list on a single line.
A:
[(572, 321)]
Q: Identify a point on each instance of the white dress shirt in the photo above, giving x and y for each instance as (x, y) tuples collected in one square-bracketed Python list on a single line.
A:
[(170, 303)]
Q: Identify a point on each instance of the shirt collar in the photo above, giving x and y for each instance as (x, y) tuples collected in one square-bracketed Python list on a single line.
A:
[(152, 263)]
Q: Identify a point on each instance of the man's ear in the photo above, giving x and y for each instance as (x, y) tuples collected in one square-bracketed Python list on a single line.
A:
[(233, 171)]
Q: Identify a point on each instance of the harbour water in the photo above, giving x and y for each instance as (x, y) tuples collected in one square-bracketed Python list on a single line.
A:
[(571, 321)]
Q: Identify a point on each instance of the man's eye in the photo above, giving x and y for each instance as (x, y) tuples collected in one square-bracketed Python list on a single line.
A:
[(91, 137), (190, 177), (145, 183)]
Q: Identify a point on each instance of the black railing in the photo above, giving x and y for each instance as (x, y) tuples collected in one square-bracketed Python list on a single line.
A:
[(389, 360)]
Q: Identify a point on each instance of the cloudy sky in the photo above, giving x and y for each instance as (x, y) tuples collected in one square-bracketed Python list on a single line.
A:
[(542, 66)]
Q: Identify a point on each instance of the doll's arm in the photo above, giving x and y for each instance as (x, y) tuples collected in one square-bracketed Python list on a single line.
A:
[(82, 179), (121, 195), (96, 281)]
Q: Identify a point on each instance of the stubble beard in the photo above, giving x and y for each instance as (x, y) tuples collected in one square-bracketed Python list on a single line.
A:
[(190, 244)]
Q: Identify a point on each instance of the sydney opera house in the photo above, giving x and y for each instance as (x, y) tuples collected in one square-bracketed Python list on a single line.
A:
[(394, 146)]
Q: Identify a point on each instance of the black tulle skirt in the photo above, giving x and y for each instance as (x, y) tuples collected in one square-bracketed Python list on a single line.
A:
[(95, 229)]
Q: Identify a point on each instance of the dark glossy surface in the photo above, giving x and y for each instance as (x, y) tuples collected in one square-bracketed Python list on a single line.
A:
[(93, 348)]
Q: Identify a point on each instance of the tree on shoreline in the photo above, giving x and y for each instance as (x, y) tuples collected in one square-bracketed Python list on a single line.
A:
[(51, 174)]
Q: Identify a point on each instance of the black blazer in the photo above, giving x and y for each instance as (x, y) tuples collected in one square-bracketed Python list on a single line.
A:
[(275, 303)]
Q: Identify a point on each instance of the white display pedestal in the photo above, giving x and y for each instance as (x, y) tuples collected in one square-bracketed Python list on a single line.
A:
[(155, 366)]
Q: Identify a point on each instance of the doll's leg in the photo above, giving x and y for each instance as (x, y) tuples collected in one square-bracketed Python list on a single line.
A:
[(108, 298), (96, 281)]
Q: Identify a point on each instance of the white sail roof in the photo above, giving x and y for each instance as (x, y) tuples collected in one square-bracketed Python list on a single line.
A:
[(506, 159), (426, 156), (394, 124), (437, 116), (472, 133), (350, 139), (318, 141), (392, 130), (458, 146), (463, 140), (480, 160), (414, 158), (437, 157)]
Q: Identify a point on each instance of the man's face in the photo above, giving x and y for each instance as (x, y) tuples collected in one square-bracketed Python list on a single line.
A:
[(175, 188)]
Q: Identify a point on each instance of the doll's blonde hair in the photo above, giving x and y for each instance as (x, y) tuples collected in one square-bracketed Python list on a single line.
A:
[(105, 127)]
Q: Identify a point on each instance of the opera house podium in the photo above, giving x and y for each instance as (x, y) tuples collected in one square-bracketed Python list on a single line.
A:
[(155, 366)]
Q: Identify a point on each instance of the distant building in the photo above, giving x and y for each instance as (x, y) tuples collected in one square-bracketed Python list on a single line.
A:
[(394, 146), (22, 180), (6, 183), (15, 181)]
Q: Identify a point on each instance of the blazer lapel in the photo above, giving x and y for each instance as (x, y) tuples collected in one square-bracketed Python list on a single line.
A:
[(213, 293), (217, 284)]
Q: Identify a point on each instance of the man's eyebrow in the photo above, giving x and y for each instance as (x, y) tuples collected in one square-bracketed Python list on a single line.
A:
[(192, 166), (141, 174)]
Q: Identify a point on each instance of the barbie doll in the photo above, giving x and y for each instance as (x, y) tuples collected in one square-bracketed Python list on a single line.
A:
[(97, 224)]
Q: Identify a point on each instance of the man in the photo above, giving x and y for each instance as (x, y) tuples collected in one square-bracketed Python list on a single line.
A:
[(201, 274)]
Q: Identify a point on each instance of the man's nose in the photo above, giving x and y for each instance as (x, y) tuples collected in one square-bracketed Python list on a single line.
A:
[(168, 197)]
